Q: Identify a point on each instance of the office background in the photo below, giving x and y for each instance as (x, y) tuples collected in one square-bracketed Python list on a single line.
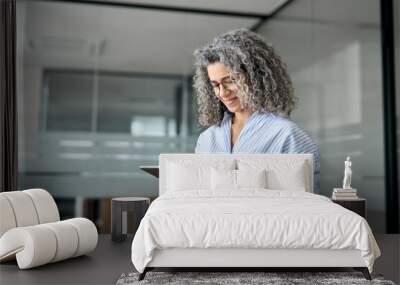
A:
[(105, 86)]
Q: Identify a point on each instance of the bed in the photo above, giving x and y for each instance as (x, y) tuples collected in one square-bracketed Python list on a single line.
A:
[(247, 211)]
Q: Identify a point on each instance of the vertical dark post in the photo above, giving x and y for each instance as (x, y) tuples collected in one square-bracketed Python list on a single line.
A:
[(116, 220), (389, 113), (8, 98)]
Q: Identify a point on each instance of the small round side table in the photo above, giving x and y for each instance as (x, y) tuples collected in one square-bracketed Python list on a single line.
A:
[(119, 215)]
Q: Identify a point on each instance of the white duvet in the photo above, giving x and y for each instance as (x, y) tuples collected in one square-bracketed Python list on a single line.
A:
[(250, 219)]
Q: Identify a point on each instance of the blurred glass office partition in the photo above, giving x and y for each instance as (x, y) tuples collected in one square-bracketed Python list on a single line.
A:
[(333, 52), (101, 91)]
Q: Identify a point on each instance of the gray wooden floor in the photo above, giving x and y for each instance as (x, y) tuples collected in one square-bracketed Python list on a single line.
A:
[(111, 259)]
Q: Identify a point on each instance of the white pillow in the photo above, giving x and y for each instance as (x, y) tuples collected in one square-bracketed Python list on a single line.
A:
[(292, 175), (222, 179), (294, 178), (186, 175), (251, 178)]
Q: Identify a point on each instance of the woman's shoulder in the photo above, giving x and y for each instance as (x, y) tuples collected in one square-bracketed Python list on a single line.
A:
[(215, 128), (281, 123), (292, 127), (204, 133), (283, 120), (297, 138), (287, 127), (208, 134)]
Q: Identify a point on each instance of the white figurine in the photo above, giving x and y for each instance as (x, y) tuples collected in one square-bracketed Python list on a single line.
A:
[(347, 174)]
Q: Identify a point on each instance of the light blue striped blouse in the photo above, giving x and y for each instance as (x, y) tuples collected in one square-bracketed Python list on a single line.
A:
[(264, 132)]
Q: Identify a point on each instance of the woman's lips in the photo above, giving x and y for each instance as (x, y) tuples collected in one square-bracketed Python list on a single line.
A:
[(229, 102)]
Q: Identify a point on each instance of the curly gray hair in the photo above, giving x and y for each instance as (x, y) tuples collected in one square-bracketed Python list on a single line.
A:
[(261, 75)]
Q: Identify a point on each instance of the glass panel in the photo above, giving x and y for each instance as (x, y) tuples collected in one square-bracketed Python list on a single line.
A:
[(144, 96), (67, 101), (101, 91), (333, 53)]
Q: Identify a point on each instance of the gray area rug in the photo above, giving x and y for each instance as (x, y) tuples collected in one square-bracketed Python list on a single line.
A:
[(225, 278)]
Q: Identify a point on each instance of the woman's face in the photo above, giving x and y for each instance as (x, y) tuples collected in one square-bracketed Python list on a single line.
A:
[(224, 87)]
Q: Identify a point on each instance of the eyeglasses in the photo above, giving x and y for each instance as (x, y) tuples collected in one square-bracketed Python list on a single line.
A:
[(227, 83)]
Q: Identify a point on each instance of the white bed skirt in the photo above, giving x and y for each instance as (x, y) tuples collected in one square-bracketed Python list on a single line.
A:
[(193, 257)]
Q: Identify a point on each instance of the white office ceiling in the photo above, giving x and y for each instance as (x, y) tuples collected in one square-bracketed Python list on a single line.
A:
[(83, 36), (248, 6), (91, 37)]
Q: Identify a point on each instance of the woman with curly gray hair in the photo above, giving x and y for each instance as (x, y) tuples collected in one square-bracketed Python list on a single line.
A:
[(245, 97)]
